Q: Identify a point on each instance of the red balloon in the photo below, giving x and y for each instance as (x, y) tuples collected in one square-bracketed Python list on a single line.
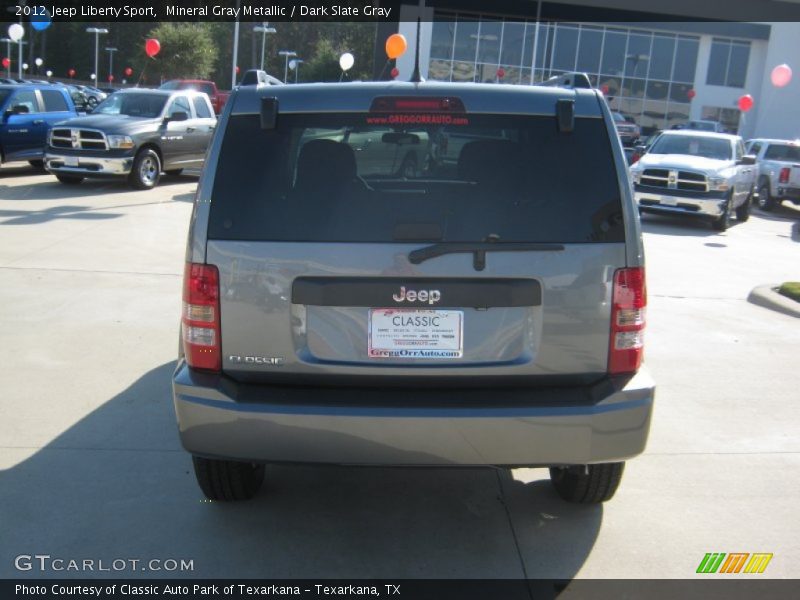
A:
[(128, 71), (110, 78), (691, 94), (604, 89), (152, 47), (6, 62), (237, 70), (745, 103), (501, 72), (394, 72), (71, 72)]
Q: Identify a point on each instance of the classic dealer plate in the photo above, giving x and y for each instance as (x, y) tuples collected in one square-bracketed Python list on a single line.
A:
[(408, 333), (70, 161)]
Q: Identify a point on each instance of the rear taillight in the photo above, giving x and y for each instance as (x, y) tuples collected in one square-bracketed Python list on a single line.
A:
[(784, 176), (200, 320), (629, 302)]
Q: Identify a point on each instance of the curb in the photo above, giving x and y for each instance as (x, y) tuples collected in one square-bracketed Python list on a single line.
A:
[(768, 297)]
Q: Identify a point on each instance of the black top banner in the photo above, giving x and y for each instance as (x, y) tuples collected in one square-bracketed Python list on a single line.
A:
[(389, 10)]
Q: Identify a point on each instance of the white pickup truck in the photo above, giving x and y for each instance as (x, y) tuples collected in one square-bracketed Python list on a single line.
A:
[(778, 171), (696, 173)]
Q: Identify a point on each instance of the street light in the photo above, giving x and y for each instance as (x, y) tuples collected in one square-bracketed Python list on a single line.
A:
[(8, 42), (294, 65), (96, 31), (263, 29), (286, 54), (110, 62)]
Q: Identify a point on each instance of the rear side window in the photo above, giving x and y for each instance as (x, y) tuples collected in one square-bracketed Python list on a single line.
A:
[(358, 178), (201, 108), (54, 101), (782, 152), (26, 99)]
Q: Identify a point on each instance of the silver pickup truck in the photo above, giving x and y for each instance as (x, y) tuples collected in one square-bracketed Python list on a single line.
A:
[(697, 173), (778, 164)]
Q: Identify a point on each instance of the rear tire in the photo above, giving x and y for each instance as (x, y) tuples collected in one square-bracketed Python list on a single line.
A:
[(765, 201), (227, 480), (146, 170), (174, 172), (590, 485), (722, 222), (743, 212), (69, 179)]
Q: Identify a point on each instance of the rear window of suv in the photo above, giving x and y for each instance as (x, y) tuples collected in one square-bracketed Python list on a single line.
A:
[(355, 178)]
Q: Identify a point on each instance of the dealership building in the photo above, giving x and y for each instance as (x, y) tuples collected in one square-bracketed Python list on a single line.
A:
[(659, 68)]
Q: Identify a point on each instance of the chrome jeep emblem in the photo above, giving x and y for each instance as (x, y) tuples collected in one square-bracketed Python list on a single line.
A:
[(429, 296)]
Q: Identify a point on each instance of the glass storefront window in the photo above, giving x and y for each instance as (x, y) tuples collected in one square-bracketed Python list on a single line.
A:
[(637, 58), (513, 43), (728, 63), (613, 53), (442, 39), (591, 42), (489, 42), (685, 60), (466, 42), (565, 48), (662, 53)]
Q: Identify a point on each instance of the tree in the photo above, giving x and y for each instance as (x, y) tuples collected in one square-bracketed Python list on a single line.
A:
[(187, 52)]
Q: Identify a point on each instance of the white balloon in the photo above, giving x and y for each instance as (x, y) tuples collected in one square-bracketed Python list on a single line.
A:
[(16, 32), (293, 64), (24, 66), (39, 62), (92, 76), (49, 73), (346, 61)]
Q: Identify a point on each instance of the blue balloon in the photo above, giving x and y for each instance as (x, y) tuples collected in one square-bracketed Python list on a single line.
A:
[(41, 20)]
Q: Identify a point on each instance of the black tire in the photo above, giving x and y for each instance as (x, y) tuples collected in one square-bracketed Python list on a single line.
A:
[(227, 480), (765, 200), (37, 164), (587, 485), (174, 172), (722, 222), (146, 171), (743, 211), (69, 179), (91, 101)]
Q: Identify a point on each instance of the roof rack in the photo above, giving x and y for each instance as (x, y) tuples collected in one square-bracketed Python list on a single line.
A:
[(259, 77), (568, 80)]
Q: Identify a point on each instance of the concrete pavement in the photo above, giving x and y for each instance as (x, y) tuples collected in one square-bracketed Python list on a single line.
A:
[(92, 467)]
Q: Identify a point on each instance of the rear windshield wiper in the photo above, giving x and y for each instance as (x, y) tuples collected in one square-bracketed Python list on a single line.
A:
[(479, 250)]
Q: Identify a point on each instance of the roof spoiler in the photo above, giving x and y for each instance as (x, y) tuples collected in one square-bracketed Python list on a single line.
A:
[(568, 80), (259, 77)]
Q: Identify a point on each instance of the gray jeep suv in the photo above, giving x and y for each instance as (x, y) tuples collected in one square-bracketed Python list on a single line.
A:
[(485, 308)]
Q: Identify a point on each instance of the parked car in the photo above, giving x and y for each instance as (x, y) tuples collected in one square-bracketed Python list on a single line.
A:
[(778, 163), (696, 173), (93, 95), (26, 114), (135, 133), (628, 131), (486, 311), (642, 146), (217, 96)]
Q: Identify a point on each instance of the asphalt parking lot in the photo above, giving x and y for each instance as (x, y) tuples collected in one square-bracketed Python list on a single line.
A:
[(91, 466)]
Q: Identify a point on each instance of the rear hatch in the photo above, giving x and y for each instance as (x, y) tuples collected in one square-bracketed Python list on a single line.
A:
[(396, 246)]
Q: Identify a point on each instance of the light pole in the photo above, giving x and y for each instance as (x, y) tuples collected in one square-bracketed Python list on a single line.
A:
[(96, 31), (286, 54), (110, 63), (8, 42), (263, 29), (295, 65)]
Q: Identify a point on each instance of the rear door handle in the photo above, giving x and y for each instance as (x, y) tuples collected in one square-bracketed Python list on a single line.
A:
[(38, 121), (189, 129)]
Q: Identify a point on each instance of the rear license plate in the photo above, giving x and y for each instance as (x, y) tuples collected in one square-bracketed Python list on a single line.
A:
[(669, 201), (408, 333), (70, 161)]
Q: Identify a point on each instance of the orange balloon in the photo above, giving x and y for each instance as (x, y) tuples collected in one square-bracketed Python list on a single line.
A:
[(396, 45)]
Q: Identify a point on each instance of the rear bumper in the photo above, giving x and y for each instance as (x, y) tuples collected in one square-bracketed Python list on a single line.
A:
[(88, 166), (602, 423), (789, 193)]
